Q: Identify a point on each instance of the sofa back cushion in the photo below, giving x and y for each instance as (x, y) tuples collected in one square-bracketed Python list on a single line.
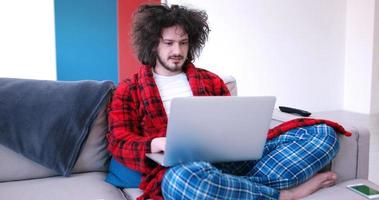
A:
[(14, 166), (93, 157)]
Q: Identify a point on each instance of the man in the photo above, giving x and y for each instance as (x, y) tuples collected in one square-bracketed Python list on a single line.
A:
[(167, 40)]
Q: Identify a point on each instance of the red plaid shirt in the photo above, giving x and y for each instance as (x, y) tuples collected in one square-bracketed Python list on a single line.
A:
[(136, 116)]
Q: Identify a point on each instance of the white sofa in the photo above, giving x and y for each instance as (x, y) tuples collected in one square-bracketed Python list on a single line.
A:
[(22, 179)]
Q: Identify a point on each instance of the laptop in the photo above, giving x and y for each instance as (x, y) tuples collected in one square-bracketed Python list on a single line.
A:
[(216, 129)]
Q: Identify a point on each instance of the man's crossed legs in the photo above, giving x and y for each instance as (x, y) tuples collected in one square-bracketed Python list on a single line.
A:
[(286, 170)]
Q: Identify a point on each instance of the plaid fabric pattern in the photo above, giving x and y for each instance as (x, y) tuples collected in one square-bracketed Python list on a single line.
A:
[(288, 160), (136, 116), (286, 126)]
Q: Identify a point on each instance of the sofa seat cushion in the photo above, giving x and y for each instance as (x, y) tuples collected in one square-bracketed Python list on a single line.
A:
[(340, 192), (77, 187), (336, 192), (132, 193)]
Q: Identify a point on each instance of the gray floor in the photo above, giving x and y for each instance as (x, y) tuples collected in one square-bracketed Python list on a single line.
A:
[(372, 123)]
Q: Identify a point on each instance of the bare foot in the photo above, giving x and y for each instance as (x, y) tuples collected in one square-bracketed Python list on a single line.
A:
[(317, 182)]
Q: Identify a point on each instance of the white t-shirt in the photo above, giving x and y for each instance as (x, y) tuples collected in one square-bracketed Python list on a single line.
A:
[(172, 86)]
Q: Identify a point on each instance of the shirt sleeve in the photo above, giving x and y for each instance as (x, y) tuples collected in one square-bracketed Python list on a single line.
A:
[(126, 142)]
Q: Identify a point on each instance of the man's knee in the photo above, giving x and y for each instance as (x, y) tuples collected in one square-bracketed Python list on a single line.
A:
[(327, 140), (171, 190), (182, 179), (328, 135)]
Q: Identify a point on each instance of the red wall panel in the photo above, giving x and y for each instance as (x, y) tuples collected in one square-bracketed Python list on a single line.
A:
[(127, 60)]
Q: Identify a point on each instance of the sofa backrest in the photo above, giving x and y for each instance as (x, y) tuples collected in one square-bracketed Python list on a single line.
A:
[(231, 83)]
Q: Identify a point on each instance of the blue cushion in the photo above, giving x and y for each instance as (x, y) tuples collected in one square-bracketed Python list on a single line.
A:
[(122, 176)]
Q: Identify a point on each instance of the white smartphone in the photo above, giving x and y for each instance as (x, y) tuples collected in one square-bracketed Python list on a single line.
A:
[(364, 190)]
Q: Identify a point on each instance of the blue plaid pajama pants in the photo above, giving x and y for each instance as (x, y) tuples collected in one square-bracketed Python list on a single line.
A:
[(287, 161)]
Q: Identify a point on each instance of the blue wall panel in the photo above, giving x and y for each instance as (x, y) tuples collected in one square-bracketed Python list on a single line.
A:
[(86, 39)]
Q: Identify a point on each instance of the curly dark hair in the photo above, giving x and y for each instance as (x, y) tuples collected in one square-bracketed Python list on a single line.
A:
[(149, 20)]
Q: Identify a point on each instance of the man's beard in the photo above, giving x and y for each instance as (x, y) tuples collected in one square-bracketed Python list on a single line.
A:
[(176, 68)]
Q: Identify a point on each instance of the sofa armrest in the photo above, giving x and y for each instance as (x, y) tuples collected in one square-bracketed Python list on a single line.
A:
[(352, 159), (363, 153)]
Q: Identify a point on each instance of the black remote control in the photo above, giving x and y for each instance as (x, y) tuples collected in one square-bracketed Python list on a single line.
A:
[(294, 111)]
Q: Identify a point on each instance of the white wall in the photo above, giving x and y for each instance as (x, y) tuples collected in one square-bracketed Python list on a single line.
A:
[(292, 49), (359, 54), (27, 39), (375, 71)]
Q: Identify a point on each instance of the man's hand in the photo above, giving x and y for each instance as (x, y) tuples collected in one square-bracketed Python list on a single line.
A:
[(158, 144)]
